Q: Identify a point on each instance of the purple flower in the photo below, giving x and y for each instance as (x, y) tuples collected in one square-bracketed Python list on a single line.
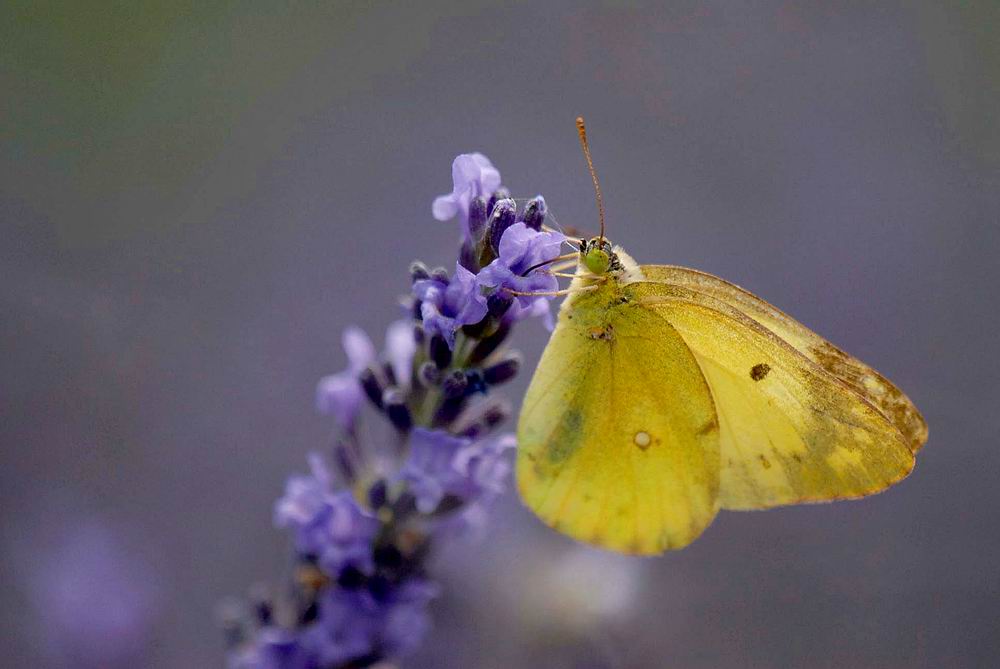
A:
[(93, 599), (446, 306), (400, 347), (328, 525), (355, 623), (521, 248), (441, 464), (272, 648), (472, 175), (341, 394)]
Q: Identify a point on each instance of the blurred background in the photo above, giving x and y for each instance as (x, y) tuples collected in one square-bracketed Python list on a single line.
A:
[(195, 198)]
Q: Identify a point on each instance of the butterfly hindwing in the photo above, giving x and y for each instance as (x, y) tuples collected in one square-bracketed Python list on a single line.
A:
[(618, 438), (791, 431)]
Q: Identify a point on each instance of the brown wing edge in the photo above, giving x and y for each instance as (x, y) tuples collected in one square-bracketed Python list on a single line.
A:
[(683, 294), (859, 377)]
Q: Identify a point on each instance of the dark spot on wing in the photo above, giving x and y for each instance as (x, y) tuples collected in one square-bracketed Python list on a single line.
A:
[(567, 436), (708, 427), (759, 371), (797, 457), (606, 333), (765, 462)]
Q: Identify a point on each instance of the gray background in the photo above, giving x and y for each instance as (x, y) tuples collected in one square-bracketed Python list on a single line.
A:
[(194, 201)]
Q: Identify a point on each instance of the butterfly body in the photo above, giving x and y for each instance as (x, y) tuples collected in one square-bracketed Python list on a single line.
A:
[(666, 394)]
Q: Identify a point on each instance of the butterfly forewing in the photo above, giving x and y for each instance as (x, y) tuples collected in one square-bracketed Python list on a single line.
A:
[(861, 378), (790, 430)]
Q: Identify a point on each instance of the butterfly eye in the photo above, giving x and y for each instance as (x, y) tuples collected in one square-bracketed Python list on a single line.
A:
[(597, 260)]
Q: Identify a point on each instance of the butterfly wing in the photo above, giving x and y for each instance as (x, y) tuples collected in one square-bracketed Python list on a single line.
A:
[(791, 430), (861, 378), (618, 439)]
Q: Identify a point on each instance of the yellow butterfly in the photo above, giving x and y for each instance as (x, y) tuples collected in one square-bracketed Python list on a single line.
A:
[(666, 394)]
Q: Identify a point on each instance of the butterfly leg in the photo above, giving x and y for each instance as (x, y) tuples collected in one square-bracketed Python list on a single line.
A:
[(552, 293)]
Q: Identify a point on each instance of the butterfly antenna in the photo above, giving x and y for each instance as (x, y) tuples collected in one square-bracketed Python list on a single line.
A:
[(581, 130)]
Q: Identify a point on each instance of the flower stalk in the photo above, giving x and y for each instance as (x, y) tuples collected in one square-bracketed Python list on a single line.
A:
[(366, 518)]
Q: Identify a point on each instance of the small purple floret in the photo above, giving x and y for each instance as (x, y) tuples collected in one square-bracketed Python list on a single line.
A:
[(472, 175), (328, 525), (441, 464), (446, 307), (521, 248)]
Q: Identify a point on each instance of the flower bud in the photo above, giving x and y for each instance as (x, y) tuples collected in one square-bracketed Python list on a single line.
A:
[(389, 374), (372, 386), (476, 382), (480, 418), (440, 274), (449, 410), (498, 303), (455, 384), (378, 494), (468, 257), (503, 371), (418, 271), (534, 213), (263, 608), (499, 194), (351, 578), (477, 218), (439, 351), (399, 415), (503, 216), (486, 346), (429, 374)]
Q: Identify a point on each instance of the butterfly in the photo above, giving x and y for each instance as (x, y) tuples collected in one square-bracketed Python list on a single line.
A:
[(666, 394)]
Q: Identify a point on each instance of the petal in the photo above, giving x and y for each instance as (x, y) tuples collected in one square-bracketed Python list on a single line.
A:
[(400, 347), (339, 395), (489, 176), (359, 348), (429, 290), (445, 207)]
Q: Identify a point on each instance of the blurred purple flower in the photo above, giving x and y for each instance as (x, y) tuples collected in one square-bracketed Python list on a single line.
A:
[(472, 175), (521, 248), (328, 525), (400, 347), (442, 464), (341, 394), (94, 598), (355, 623), (446, 306), (272, 648)]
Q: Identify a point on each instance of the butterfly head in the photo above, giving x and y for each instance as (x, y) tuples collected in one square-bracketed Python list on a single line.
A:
[(599, 257)]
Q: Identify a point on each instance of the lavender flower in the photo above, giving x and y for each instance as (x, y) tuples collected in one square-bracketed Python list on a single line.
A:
[(365, 621), (341, 395), (472, 175), (441, 464), (363, 543), (95, 598), (446, 305), (328, 525)]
